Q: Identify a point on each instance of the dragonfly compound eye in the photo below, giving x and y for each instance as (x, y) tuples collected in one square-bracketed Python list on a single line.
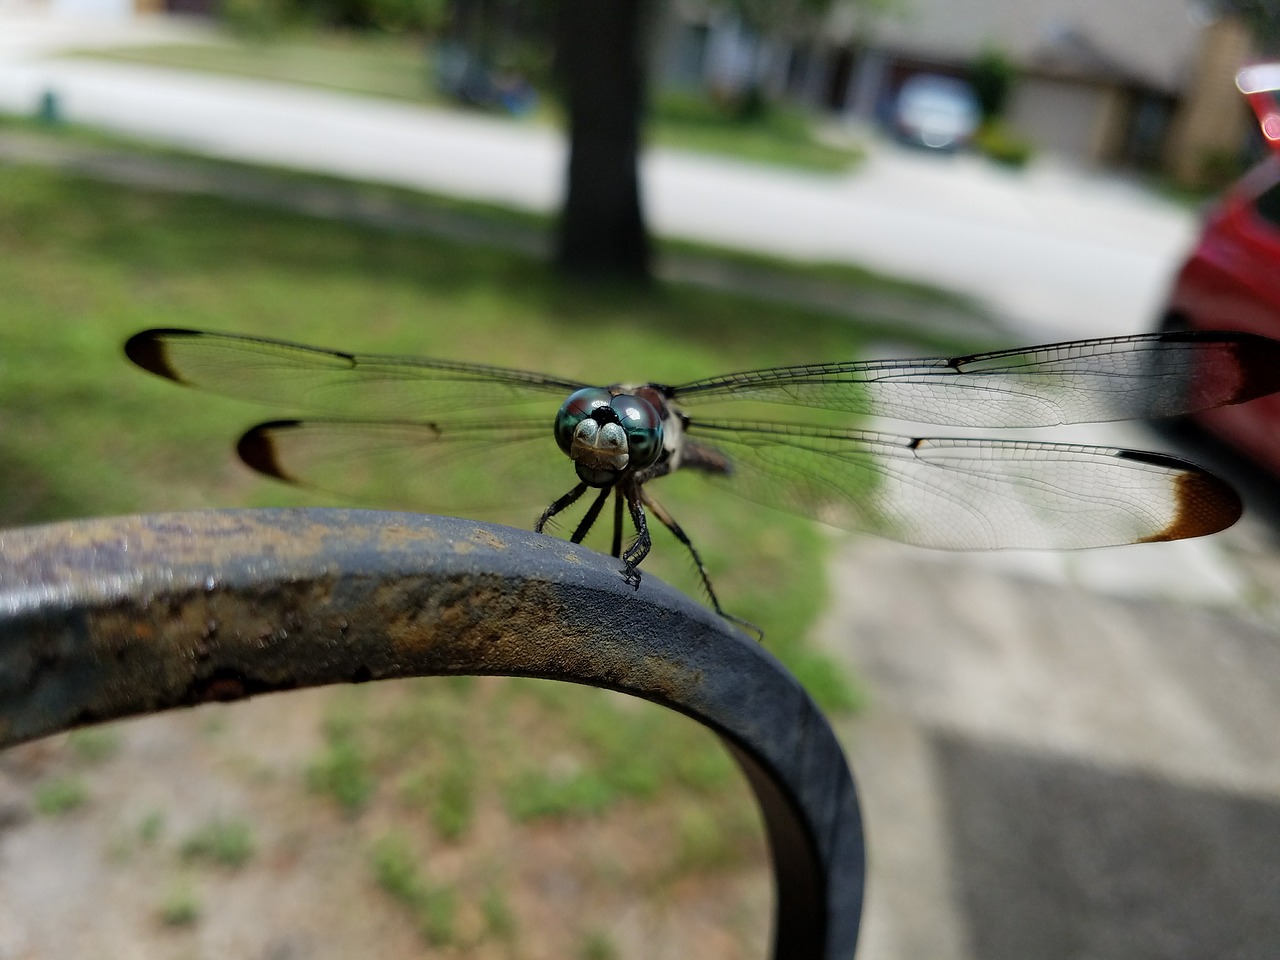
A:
[(643, 427), (580, 406), (605, 435)]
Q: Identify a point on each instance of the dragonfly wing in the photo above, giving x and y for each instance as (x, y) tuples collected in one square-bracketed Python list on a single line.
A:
[(505, 471), (296, 377), (1082, 381), (962, 494)]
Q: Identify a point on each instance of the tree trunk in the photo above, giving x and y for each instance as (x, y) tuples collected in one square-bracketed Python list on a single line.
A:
[(601, 62)]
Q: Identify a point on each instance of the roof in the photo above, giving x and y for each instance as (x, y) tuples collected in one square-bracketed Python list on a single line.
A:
[(1152, 42)]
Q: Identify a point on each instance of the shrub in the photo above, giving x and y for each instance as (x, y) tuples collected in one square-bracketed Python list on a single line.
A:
[(997, 142)]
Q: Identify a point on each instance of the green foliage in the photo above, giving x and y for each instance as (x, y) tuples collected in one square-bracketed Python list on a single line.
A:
[(342, 771), (94, 744), (391, 16), (61, 795), (445, 787), (427, 730), (613, 752), (437, 915), (746, 128), (540, 795), (499, 920), (395, 869), (255, 20), (227, 843), (702, 841), (151, 827), (1216, 168), (265, 19), (992, 75), (434, 907), (597, 945), (825, 681), (998, 142), (180, 906), (1260, 17), (454, 806)]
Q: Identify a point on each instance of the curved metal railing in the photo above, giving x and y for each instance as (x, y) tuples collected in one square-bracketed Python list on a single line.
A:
[(102, 619)]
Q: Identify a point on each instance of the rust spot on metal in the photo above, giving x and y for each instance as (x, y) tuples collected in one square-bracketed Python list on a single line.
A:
[(397, 534), (486, 538), (473, 619), (220, 689)]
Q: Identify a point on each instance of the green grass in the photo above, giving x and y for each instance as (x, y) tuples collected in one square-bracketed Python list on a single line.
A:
[(774, 134), (227, 843), (180, 906), (432, 906), (597, 945), (94, 744), (453, 806), (499, 919), (371, 64), (151, 827), (342, 769), (61, 795), (598, 752)]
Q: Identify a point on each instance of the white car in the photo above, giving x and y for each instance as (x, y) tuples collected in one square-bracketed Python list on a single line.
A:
[(934, 111)]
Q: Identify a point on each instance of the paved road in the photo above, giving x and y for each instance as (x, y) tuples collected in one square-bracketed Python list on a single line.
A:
[(1055, 252)]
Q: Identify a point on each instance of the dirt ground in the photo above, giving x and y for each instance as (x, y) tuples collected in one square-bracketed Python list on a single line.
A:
[(108, 878)]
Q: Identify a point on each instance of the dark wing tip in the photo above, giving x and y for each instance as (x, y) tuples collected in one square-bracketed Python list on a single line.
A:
[(257, 448), (1259, 361), (1203, 504), (149, 350), (1254, 370)]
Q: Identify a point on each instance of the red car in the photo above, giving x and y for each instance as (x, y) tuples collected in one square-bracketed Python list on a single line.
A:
[(1231, 281)]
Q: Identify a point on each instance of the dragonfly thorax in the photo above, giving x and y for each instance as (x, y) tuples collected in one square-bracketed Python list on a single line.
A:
[(607, 434)]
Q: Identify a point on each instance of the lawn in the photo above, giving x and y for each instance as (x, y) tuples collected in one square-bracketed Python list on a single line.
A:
[(458, 773), (375, 65)]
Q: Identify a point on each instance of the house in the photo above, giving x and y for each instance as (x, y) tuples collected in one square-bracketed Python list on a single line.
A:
[(1117, 83)]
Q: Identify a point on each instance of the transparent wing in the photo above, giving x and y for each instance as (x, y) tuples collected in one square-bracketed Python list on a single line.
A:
[(296, 377), (1082, 381), (959, 494), (507, 471)]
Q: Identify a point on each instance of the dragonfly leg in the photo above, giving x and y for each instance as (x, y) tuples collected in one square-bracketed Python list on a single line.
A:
[(640, 549), (669, 522), (617, 524), (589, 518), (566, 501)]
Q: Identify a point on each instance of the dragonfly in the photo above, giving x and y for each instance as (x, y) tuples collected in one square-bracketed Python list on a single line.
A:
[(386, 415)]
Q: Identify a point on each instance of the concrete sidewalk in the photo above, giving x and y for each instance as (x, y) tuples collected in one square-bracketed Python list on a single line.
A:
[(1051, 773)]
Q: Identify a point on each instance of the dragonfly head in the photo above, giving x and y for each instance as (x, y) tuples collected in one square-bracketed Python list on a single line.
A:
[(606, 434)]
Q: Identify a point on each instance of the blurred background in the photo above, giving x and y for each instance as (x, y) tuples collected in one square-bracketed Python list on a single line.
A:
[(1059, 755)]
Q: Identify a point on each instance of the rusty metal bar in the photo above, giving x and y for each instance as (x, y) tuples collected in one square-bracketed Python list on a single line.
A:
[(101, 619)]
